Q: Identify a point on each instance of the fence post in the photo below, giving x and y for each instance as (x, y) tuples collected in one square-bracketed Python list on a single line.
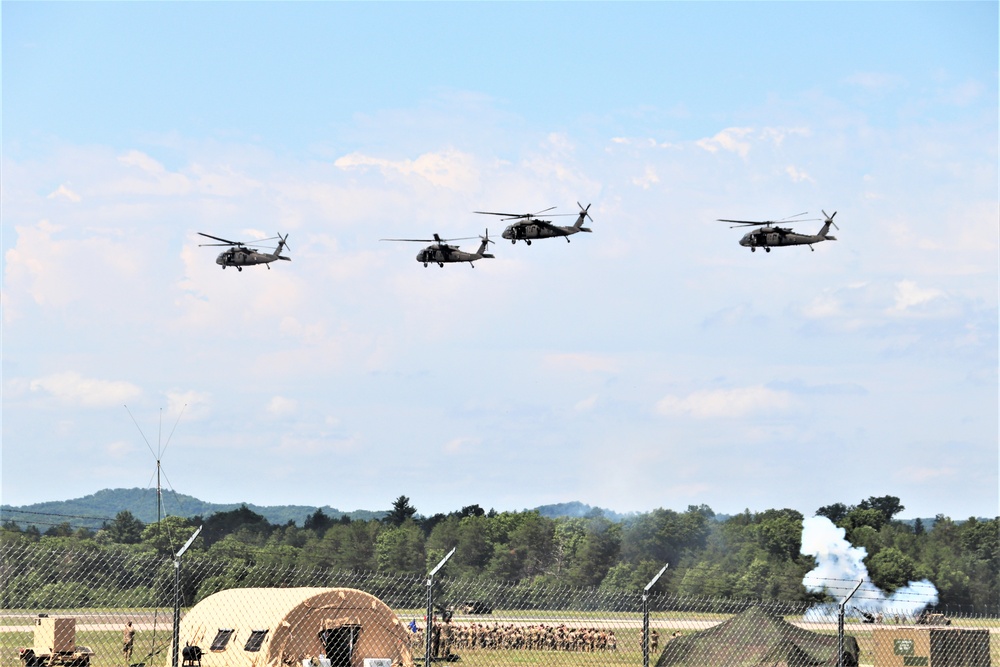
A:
[(840, 625), (645, 615), (177, 596), (429, 619)]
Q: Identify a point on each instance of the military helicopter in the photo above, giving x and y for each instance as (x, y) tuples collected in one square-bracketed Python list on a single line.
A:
[(246, 254), (441, 253), (529, 226), (771, 235)]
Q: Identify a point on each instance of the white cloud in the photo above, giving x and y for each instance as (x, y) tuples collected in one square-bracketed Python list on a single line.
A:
[(74, 389), (279, 406), (724, 402), (822, 306), (587, 404), (731, 139), (740, 140), (450, 169), (188, 404), (647, 179), (153, 179), (119, 450), (797, 175), (908, 296), (63, 192)]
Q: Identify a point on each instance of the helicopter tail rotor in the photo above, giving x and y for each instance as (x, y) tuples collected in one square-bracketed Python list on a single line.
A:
[(486, 240), (829, 219)]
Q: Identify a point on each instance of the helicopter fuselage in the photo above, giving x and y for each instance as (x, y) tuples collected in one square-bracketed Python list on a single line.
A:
[(448, 254), (239, 257), (526, 231), (775, 237)]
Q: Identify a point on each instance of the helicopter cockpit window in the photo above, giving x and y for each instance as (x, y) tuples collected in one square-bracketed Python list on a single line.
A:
[(256, 640), (222, 639)]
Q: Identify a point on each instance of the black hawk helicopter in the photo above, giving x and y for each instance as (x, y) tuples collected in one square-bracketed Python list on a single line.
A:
[(441, 253), (770, 235), (529, 226), (246, 254)]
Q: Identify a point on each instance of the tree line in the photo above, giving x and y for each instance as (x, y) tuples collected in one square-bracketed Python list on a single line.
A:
[(753, 555)]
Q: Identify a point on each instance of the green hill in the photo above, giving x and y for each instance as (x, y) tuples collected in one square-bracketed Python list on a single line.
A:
[(93, 510)]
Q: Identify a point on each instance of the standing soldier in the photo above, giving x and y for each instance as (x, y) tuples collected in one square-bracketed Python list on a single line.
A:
[(128, 641), (654, 641)]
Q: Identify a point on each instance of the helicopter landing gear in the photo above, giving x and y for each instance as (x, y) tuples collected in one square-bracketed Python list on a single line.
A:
[(767, 250), (567, 239), (425, 265), (752, 249), (441, 265), (812, 249), (239, 268), (513, 241), (527, 241)]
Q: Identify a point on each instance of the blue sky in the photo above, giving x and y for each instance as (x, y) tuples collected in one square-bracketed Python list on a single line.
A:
[(653, 363)]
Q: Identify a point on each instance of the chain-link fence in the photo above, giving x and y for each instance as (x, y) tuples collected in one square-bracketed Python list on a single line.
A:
[(116, 608)]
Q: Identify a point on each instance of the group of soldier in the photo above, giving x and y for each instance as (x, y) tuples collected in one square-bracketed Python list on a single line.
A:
[(448, 637)]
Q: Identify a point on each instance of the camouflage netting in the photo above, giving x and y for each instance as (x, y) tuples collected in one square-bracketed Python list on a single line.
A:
[(757, 637)]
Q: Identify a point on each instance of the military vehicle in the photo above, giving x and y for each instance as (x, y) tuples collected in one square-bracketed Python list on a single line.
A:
[(927, 618), (55, 644)]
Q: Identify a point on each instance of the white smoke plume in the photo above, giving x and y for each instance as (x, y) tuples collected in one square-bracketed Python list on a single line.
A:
[(839, 568)]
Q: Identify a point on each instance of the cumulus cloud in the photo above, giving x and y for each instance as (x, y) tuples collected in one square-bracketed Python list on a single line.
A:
[(737, 402), (740, 140), (74, 389), (797, 175), (647, 179), (732, 139), (279, 406), (450, 169), (191, 404), (908, 296), (63, 192)]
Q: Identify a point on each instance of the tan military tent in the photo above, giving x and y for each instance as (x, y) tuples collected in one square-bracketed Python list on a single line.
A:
[(274, 627)]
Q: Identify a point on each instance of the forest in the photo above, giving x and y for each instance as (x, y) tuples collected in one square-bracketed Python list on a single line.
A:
[(752, 555)]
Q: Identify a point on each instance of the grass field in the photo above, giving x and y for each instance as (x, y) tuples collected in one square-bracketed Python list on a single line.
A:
[(107, 643)]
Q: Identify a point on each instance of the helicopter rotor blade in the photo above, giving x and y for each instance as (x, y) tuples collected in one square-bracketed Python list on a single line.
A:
[(509, 215), (224, 241), (585, 211), (745, 223), (411, 240)]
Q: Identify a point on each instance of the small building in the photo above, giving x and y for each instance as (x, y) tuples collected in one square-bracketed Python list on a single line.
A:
[(923, 646), (278, 627)]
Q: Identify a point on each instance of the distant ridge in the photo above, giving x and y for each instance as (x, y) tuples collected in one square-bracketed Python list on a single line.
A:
[(576, 510), (93, 510)]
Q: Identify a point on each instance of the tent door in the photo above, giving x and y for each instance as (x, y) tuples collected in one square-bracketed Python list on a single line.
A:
[(339, 644)]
